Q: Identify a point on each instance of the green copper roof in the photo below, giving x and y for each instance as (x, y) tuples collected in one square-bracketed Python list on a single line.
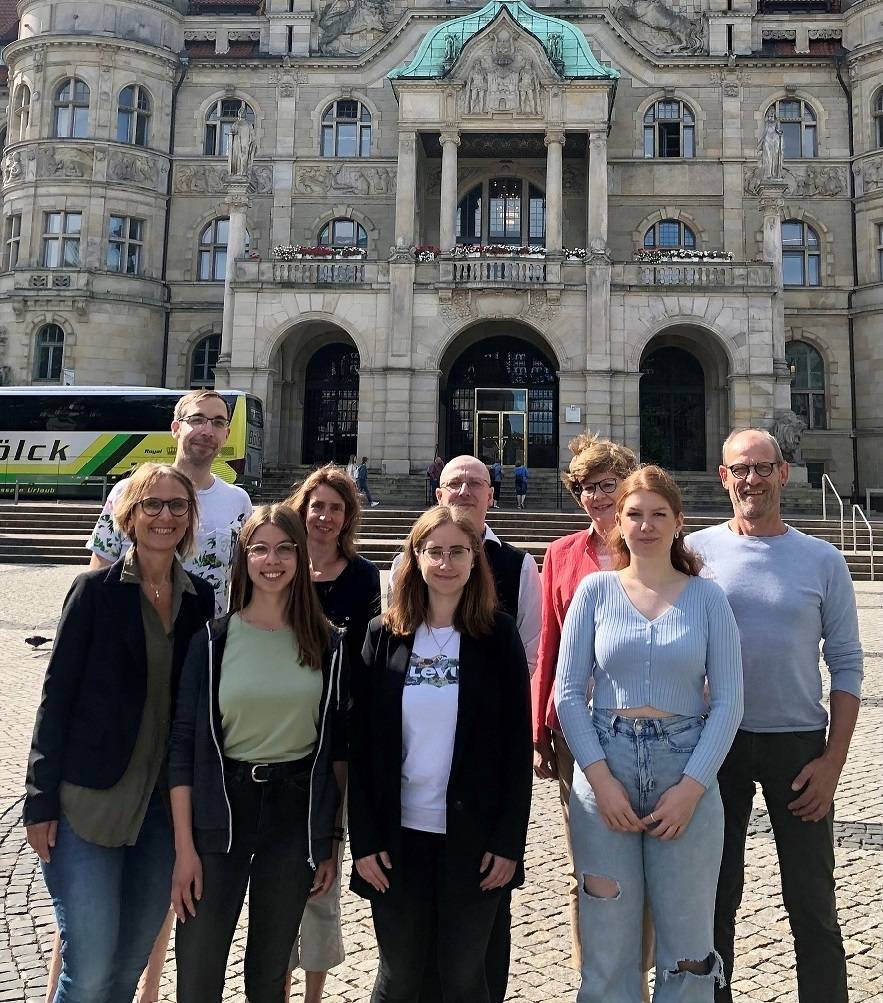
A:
[(565, 45)]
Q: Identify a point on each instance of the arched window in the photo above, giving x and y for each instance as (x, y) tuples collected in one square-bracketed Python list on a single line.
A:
[(669, 130), (878, 119), (798, 122), (133, 115), (346, 129), (807, 383), (516, 213), (343, 233), (21, 112), (49, 353), (801, 254), (71, 111), (2, 138), (219, 121), (669, 234), (204, 360), (213, 250)]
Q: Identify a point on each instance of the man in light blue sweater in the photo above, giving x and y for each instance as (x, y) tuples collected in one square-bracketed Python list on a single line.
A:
[(789, 592)]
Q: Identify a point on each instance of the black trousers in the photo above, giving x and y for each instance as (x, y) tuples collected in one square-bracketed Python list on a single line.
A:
[(806, 860), (269, 857), (420, 923)]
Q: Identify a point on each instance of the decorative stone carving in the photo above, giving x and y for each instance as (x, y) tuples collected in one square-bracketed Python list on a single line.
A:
[(346, 179), (808, 181), (825, 33), (788, 430), (871, 173), (455, 306), (133, 169), (503, 75), (661, 29), (771, 150), (348, 27), (779, 34), (12, 168), (206, 179), (541, 307), (243, 146), (63, 162)]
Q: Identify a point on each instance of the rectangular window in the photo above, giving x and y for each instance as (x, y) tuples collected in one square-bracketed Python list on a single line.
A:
[(792, 268), (327, 140), (649, 148), (346, 138), (792, 138), (125, 241), (61, 239), (12, 242), (669, 139)]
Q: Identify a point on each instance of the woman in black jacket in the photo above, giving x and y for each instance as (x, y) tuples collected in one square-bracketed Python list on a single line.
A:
[(256, 762), (96, 810), (440, 764)]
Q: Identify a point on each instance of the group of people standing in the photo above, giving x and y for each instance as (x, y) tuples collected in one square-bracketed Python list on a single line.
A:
[(191, 745)]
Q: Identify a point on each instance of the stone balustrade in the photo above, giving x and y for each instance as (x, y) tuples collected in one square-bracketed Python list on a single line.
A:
[(498, 271), (704, 274)]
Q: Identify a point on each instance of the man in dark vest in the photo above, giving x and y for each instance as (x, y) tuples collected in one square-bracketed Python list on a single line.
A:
[(465, 485)]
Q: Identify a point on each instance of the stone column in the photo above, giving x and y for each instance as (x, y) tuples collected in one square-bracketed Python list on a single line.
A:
[(238, 203), (554, 199), (771, 194), (597, 201), (447, 223), (406, 190)]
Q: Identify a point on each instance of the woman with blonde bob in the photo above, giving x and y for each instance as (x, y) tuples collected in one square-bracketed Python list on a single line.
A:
[(440, 765), (348, 587), (255, 766), (96, 805), (652, 637)]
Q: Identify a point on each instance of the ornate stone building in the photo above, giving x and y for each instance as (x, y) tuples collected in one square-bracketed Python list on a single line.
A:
[(457, 226)]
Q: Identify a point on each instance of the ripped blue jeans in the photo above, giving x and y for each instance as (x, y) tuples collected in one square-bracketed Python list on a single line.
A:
[(679, 876)]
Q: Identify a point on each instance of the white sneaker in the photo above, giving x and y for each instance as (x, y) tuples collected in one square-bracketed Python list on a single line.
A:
[(374, 504)]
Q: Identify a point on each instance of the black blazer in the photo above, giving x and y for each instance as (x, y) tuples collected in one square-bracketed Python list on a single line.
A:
[(489, 789), (95, 686)]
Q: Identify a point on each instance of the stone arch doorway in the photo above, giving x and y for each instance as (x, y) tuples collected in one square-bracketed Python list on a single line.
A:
[(499, 398), (683, 401)]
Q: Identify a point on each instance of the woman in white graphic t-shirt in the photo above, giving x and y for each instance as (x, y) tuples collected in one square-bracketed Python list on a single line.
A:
[(440, 764)]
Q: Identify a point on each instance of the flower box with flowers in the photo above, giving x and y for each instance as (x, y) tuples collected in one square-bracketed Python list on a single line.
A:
[(426, 252), (497, 251), (297, 252), (663, 256)]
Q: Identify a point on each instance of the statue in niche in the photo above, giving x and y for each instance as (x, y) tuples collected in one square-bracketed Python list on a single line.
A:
[(452, 50), (771, 150), (476, 89), (528, 92), (788, 430), (243, 146), (347, 27), (660, 28)]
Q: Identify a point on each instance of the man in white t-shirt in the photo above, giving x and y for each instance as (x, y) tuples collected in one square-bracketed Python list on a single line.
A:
[(201, 426)]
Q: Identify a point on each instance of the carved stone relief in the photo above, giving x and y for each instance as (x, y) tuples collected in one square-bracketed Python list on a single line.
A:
[(13, 169), (133, 169), (660, 28), (207, 179), (503, 75), (346, 179), (808, 181), (871, 173), (455, 308), (348, 27), (63, 162)]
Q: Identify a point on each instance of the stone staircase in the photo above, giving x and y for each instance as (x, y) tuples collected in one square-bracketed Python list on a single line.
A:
[(56, 533)]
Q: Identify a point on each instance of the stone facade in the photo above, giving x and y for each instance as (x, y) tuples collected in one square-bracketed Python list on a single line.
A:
[(497, 101)]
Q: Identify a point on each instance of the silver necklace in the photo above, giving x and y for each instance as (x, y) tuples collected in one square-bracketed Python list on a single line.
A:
[(441, 647)]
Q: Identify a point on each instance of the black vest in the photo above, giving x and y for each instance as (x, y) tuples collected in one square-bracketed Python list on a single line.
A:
[(505, 562)]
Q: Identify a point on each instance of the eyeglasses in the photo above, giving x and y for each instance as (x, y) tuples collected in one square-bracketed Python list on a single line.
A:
[(741, 470), (608, 486), (455, 555), (282, 551), (200, 420), (153, 506), (474, 485)]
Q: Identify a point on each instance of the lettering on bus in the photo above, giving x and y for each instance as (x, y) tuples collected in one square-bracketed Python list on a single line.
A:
[(58, 451)]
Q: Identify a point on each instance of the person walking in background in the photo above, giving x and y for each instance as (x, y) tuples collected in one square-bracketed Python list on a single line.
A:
[(433, 476), (521, 476), (594, 478), (348, 587), (645, 814), (352, 468), (789, 592), (95, 808), (362, 482), (496, 472), (440, 779), (256, 767)]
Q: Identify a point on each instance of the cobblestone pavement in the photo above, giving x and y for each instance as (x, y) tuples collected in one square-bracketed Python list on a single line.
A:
[(30, 597)]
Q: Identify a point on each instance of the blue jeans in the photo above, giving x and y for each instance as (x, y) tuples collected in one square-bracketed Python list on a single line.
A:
[(679, 876), (110, 903)]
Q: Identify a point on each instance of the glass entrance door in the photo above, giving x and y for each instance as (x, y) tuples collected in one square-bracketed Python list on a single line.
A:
[(487, 436), (500, 435)]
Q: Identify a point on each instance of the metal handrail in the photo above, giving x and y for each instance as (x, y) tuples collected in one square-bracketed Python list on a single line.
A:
[(858, 508), (826, 481)]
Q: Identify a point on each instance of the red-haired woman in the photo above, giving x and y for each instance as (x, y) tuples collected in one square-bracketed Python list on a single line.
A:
[(440, 776)]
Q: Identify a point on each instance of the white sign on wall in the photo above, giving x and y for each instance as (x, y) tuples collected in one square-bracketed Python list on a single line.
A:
[(573, 414)]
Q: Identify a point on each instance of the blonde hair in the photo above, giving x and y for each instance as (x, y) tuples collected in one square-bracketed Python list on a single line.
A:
[(134, 490), (409, 606), (197, 397), (660, 482), (592, 454), (341, 482), (303, 610)]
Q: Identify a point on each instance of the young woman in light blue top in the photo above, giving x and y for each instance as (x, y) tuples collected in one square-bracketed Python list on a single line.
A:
[(661, 647)]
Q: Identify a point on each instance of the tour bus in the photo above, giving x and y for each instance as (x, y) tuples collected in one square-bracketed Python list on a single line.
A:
[(76, 441)]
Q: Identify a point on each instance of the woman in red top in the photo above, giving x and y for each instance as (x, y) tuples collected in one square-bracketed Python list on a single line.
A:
[(594, 478)]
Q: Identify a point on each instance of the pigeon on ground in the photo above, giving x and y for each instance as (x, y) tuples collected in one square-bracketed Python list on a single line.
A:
[(36, 640)]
